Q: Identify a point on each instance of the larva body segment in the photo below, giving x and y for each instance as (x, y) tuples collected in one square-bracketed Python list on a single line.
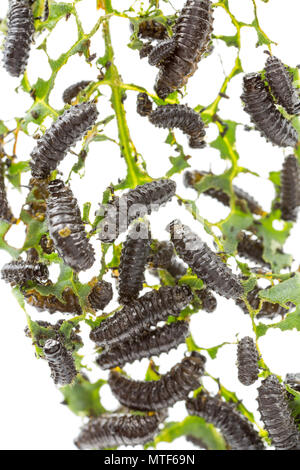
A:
[(5, 211), (100, 295), (148, 310), (60, 361), (53, 146), (174, 386), (113, 431), (19, 272), (66, 228), (268, 310), (147, 344), (236, 429), (182, 117), (204, 262), (290, 189), (192, 34), (19, 37), (135, 203), (162, 51), (276, 415), (247, 360), (164, 257), (281, 85), (252, 249), (73, 90), (51, 304), (133, 260), (144, 104), (191, 178), (264, 114), (209, 302)]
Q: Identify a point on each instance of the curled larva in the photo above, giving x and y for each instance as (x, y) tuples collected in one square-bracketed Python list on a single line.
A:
[(117, 430), (133, 261), (19, 37), (163, 256), (204, 262), (264, 114), (73, 90), (53, 146), (236, 429), (147, 344), (143, 105), (161, 52), (66, 228), (290, 189), (174, 386), (154, 306), (51, 304), (209, 302), (268, 309), (192, 35), (247, 360), (60, 361), (281, 85), (100, 295), (251, 248), (135, 203), (276, 415), (182, 117), (5, 211), (191, 178), (19, 272)]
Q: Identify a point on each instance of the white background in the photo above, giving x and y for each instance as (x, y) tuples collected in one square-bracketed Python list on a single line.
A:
[(31, 414)]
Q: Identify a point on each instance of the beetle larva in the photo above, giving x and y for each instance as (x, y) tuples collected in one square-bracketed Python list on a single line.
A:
[(183, 117), (247, 358), (117, 430), (154, 306), (151, 29), (204, 262), (264, 114), (60, 361), (5, 211), (147, 344), (191, 178), (236, 429), (251, 248), (133, 260), (209, 302), (73, 90), (50, 303), (290, 189), (163, 256), (192, 34), (19, 37), (268, 310), (174, 386), (53, 146), (276, 415), (161, 52), (19, 272), (100, 295), (42, 336), (281, 85), (144, 104), (66, 228), (134, 204)]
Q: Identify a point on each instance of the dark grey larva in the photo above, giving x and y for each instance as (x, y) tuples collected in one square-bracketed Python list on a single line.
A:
[(5, 211), (19, 36), (53, 146), (151, 308), (19, 272), (72, 91), (60, 361), (290, 188), (276, 415), (264, 114), (137, 202), (247, 358), (204, 262), (66, 228), (281, 84), (147, 344), (162, 51), (182, 117), (117, 430)]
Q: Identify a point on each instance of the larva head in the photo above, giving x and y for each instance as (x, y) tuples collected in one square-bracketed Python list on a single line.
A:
[(182, 295), (41, 272), (52, 348), (162, 89), (253, 82)]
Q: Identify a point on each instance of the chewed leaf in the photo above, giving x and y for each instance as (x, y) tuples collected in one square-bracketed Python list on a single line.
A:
[(82, 397)]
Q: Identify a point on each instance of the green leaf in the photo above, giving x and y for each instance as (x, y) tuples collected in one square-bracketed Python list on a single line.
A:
[(82, 397), (231, 227)]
